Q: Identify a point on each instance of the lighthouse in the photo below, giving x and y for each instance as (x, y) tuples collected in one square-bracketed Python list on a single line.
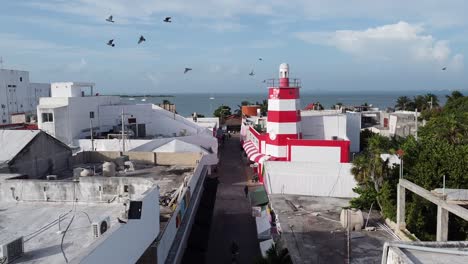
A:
[(284, 116)]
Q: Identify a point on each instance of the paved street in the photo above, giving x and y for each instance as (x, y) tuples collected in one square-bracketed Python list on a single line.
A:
[(232, 220)]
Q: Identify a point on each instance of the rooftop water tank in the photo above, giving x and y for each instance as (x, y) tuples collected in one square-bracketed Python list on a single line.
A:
[(77, 172), (108, 169), (86, 173), (352, 218)]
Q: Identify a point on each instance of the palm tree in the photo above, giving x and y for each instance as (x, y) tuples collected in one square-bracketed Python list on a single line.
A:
[(403, 102), (455, 95)]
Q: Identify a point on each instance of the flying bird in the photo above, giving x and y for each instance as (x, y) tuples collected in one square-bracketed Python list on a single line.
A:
[(444, 68), (264, 81), (252, 73), (167, 20), (141, 39), (187, 70), (260, 59), (109, 19), (111, 43)]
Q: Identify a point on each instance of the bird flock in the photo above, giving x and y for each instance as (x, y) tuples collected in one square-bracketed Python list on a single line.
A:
[(111, 43), (142, 39)]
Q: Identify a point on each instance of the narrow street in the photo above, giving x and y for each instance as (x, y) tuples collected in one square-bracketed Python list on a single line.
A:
[(232, 219)]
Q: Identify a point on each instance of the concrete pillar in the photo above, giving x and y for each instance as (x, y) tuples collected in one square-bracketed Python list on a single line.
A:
[(401, 204), (442, 224)]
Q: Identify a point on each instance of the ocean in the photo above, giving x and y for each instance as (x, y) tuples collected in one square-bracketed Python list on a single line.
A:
[(201, 103)]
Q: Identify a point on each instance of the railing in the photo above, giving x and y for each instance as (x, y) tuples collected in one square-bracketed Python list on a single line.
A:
[(293, 82)]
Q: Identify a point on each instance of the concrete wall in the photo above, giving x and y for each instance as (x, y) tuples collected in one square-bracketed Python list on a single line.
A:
[(323, 126), (65, 89), (167, 240), (184, 159), (157, 158), (129, 241), (307, 178), (86, 190), (318, 154), (43, 156)]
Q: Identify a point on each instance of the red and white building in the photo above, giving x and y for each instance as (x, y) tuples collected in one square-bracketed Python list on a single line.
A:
[(289, 134)]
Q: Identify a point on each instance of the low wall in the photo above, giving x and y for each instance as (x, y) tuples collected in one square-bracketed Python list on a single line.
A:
[(156, 158)]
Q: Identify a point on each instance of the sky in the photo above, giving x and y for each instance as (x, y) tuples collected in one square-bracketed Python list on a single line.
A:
[(331, 45)]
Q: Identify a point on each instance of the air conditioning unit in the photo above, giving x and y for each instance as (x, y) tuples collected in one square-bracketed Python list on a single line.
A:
[(100, 227), (51, 177), (11, 250)]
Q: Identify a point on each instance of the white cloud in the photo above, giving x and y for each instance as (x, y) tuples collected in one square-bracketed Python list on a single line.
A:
[(76, 67), (401, 42), (457, 63)]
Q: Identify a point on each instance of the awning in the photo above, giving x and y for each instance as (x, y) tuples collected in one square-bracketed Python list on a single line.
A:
[(253, 154), (258, 196)]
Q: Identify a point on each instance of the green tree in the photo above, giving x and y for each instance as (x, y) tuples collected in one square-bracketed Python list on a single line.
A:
[(263, 107), (222, 111), (238, 111), (455, 95), (165, 101), (441, 150), (275, 255), (404, 103)]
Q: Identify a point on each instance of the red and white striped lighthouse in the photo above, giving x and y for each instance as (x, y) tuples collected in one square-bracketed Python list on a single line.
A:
[(284, 116)]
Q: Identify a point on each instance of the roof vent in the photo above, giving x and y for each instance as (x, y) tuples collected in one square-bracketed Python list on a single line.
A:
[(99, 228), (11, 250)]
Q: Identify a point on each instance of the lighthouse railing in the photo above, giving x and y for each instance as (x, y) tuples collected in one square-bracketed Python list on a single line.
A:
[(293, 82)]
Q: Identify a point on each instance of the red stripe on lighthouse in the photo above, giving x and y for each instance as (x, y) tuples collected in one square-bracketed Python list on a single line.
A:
[(283, 116)]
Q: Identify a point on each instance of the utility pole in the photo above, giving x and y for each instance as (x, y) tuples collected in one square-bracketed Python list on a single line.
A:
[(1, 63), (91, 130), (123, 132), (431, 102), (91, 116), (416, 123)]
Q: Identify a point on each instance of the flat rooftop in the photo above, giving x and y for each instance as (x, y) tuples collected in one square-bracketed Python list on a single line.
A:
[(37, 222), (313, 233), (167, 177), (31, 209)]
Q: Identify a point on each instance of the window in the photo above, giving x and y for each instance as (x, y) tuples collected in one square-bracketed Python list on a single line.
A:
[(21, 79), (91, 114), (47, 117)]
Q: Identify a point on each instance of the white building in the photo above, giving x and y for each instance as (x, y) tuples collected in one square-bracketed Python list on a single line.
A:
[(332, 124), (142, 213), (71, 112), (18, 95)]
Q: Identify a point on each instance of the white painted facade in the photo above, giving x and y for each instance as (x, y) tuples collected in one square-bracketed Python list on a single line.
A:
[(66, 115), (315, 154), (276, 151), (324, 127), (18, 95), (71, 115), (127, 243), (309, 178)]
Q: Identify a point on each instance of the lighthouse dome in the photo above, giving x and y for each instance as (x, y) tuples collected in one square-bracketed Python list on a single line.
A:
[(284, 70)]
